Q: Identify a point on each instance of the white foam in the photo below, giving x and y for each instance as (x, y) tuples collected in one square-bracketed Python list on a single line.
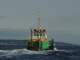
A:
[(15, 52), (20, 52)]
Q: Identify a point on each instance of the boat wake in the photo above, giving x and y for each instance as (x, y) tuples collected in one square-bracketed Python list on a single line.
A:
[(16, 52), (20, 52)]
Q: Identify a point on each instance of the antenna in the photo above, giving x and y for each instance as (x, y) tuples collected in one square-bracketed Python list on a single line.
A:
[(39, 21), (38, 12)]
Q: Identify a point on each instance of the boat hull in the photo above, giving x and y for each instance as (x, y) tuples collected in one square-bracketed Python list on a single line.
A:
[(36, 46)]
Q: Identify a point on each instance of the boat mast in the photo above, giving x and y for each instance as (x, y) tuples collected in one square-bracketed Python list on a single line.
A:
[(39, 25)]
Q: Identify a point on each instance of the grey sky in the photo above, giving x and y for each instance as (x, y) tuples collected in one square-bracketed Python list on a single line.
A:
[(30, 7), (60, 16)]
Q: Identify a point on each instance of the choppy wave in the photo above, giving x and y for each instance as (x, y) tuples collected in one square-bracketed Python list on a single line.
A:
[(26, 51), (20, 52)]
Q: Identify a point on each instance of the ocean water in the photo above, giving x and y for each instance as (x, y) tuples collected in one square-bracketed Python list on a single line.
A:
[(17, 50)]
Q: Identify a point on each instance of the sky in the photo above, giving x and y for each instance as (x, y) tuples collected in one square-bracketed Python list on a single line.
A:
[(60, 17)]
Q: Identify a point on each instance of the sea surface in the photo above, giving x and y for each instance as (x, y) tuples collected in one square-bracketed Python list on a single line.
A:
[(17, 50)]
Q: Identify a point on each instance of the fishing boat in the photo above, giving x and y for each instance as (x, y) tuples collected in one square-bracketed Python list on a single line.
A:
[(39, 39)]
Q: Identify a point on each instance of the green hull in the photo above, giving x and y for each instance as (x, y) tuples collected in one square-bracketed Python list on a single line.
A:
[(44, 45), (36, 46), (40, 45)]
